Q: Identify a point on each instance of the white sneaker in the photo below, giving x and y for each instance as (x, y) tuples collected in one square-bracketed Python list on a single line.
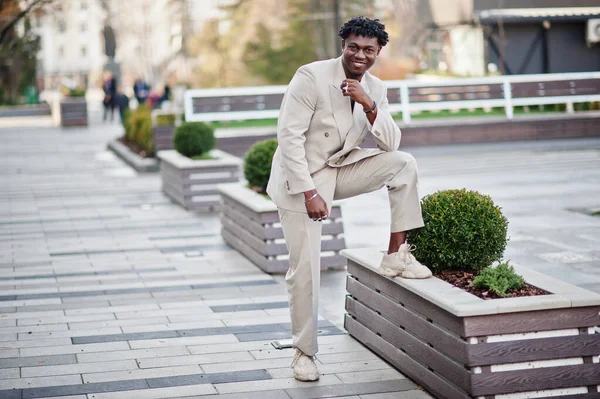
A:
[(403, 263), (304, 367)]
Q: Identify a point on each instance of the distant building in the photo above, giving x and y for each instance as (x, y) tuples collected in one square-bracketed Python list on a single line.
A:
[(72, 48), (525, 40), (473, 37)]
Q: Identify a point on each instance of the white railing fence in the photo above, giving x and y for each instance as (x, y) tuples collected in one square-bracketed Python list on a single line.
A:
[(411, 96)]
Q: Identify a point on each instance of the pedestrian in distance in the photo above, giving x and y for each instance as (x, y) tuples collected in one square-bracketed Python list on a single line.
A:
[(109, 86), (122, 102), (141, 90), (330, 107)]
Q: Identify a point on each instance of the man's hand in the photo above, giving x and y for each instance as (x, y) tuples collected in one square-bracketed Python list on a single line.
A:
[(316, 207), (353, 89)]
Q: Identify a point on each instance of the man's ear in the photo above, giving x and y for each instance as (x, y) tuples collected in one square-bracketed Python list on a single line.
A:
[(343, 44), (378, 50)]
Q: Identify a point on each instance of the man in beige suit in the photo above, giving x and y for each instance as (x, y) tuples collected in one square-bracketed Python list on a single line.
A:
[(329, 109)]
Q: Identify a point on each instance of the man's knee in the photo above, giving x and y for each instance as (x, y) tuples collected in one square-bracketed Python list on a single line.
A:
[(401, 161)]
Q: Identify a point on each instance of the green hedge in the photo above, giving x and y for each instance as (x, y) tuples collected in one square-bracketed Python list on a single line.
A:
[(166, 120), (257, 164), (464, 230), (194, 139), (138, 128)]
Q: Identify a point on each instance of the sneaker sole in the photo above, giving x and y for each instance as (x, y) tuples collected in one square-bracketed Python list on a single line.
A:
[(410, 275), (388, 272), (306, 379)]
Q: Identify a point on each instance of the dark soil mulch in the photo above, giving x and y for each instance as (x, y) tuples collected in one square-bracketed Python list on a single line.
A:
[(135, 148), (464, 281)]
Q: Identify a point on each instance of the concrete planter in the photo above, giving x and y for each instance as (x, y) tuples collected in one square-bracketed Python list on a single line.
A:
[(193, 184), (250, 224), (132, 159), (73, 111), (457, 345), (163, 137)]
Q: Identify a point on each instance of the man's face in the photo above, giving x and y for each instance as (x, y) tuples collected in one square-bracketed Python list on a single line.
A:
[(359, 54)]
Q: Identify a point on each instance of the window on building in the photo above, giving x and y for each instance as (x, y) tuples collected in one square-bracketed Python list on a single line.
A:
[(83, 51), (83, 27)]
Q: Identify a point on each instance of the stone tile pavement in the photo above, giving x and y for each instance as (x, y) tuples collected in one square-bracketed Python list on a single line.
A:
[(108, 290)]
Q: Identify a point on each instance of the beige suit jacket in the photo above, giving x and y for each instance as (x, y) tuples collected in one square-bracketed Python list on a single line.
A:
[(318, 132)]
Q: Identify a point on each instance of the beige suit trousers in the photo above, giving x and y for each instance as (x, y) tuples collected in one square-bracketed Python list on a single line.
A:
[(396, 170)]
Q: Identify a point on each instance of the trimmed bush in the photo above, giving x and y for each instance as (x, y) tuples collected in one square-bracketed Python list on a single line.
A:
[(499, 279), (464, 230), (76, 92), (165, 120), (257, 164), (138, 128), (194, 138)]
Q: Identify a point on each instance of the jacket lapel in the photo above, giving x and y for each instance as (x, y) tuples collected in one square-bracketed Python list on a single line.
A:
[(359, 119), (340, 105)]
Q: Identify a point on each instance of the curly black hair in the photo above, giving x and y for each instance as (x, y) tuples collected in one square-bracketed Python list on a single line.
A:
[(365, 27)]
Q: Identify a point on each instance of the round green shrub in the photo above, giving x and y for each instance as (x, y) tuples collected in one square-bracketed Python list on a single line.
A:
[(257, 164), (464, 230), (194, 138)]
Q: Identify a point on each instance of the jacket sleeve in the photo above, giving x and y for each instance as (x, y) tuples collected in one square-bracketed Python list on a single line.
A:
[(296, 112), (385, 130)]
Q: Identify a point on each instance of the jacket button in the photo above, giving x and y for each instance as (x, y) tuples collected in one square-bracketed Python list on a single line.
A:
[(377, 134), (326, 134)]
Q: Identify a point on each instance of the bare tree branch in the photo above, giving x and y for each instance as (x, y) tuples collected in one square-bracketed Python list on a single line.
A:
[(20, 16)]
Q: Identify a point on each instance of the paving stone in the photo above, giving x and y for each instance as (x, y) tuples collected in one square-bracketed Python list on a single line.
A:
[(384, 373), (124, 337), (63, 306), (163, 312), (268, 385), (46, 382), (8, 323), (23, 315), (8, 337), (371, 369), (351, 389), (32, 329), (9, 373), (415, 394), (276, 394), (209, 339), (173, 326), (216, 378), (7, 353), (347, 357), (68, 333), (133, 354), (75, 349), (37, 361), (84, 389), (11, 394), (37, 343), (80, 368), (208, 359), (64, 319), (138, 374), (283, 334), (118, 323), (158, 393)]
